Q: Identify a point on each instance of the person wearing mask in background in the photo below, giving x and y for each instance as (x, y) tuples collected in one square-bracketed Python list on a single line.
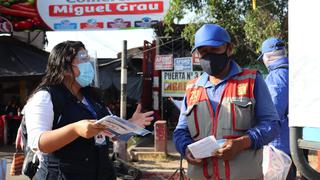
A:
[(12, 110), (64, 140), (229, 102), (274, 57)]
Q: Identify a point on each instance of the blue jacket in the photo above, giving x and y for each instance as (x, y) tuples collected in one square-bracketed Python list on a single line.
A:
[(268, 121), (277, 82)]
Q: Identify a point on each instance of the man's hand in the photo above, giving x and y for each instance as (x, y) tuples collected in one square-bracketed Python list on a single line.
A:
[(232, 147), (142, 119), (189, 157)]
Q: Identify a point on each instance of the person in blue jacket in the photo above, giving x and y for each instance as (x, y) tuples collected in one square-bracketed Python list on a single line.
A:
[(214, 46), (274, 57)]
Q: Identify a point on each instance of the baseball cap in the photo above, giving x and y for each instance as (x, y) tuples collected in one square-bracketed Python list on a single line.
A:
[(211, 35), (271, 44)]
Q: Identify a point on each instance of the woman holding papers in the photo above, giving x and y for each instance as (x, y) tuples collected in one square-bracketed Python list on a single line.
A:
[(60, 117)]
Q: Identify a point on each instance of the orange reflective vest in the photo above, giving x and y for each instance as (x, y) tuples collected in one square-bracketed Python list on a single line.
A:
[(234, 115)]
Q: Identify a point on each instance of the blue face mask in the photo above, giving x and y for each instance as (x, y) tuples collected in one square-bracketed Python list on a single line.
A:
[(86, 74)]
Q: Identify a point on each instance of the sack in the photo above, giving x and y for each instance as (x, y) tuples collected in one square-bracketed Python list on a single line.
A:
[(276, 164), (17, 162)]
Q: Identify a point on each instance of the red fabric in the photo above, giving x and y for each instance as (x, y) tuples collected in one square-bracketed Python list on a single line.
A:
[(15, 117), (2, 129), (227, 169), (17, 162), (216, 175), (232, 85), (205, 169)]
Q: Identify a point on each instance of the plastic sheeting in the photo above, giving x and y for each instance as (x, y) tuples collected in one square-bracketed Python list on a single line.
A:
[(109, 77), (304, 60)]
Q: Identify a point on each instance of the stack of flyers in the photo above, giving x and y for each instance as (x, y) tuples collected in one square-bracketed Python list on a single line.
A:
[(117, 128)]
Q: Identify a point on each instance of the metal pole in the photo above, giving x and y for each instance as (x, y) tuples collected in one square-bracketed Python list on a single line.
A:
[(123, 100), (93, 55), (121, 146), (298, 157)]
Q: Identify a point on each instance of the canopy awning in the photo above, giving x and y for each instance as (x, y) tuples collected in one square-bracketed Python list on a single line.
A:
[(18, 59)]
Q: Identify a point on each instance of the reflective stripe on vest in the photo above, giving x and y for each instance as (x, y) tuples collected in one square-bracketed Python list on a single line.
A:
[(234, 115)]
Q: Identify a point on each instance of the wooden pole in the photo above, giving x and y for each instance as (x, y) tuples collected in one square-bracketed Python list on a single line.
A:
[(120, 147)]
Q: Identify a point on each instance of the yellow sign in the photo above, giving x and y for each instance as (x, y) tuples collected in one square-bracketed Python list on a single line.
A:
[(242, 89), (174, 82)]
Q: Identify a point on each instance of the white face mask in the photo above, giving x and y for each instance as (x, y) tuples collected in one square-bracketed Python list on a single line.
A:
[(273, 56)]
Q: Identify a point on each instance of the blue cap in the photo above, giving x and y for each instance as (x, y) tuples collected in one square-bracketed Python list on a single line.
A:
[(211, 35), (271, 44)]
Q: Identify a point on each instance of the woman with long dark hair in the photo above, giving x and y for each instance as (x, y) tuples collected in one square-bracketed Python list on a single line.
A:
[(60, 117)]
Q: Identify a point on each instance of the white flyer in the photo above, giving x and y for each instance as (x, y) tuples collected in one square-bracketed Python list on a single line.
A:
[(117, 128), (205, 147)]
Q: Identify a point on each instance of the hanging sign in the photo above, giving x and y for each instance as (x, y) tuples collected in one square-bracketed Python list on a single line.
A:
[(183, 64), (195, 59), (174, 82), (101, 14), (80, 14), (164, 62)]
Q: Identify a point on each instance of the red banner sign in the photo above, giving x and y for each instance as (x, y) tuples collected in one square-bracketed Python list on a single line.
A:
[(19, 15), (105, 9)]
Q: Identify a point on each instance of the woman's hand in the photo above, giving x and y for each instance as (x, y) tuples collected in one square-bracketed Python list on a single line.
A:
[(142, 119), (53, 140), (88, 128)]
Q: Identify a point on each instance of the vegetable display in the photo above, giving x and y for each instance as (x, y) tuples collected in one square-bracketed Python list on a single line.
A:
[(22, 14)]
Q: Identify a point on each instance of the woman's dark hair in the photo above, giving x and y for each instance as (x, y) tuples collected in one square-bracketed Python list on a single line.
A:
[(59, 62)]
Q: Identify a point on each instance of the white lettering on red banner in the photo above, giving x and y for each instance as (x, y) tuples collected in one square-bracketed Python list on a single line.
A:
[(101, 14), (105, 9)]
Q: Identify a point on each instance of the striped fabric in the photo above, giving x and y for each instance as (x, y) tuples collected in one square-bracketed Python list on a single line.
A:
[(17, 162)]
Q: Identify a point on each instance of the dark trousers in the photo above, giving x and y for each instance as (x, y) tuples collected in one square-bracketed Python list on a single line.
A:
[(51, 170), (292, 172)]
